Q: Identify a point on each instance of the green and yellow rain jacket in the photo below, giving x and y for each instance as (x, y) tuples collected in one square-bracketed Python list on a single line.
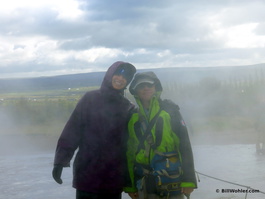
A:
[(168, 136)]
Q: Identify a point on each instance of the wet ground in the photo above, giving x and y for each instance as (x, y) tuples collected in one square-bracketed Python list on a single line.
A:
[(25, 172)]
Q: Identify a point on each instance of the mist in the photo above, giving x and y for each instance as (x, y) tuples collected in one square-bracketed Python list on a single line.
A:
[(224, 117), (14, 141)]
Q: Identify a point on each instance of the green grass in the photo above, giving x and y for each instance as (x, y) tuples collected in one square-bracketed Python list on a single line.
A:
[(73, 93), (47, 111), (42, 112)]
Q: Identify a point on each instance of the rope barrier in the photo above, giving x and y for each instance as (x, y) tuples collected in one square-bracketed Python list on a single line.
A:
[(248, 187)]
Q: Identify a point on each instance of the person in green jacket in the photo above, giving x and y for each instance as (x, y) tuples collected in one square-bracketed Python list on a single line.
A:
[(153, 132)]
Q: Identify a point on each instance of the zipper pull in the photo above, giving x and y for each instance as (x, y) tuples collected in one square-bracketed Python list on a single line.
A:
[(167, 164), (159, 181)]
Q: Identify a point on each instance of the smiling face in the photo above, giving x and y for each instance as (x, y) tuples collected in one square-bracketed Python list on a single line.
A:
[(118, 82)]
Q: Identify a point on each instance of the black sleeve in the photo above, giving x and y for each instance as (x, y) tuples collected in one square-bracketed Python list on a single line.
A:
[(69, 139), (186, 153), (179, 127)]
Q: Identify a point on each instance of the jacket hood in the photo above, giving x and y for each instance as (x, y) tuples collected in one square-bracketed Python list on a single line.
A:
[(145, 75), (107, 81)]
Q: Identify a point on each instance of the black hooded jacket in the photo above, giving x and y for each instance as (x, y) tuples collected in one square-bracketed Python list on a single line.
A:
[(97, 128)]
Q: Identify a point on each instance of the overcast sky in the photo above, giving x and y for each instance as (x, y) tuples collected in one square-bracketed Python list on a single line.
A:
[(53, 37)]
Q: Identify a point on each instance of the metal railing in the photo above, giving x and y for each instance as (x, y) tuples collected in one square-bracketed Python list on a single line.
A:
[(247, 187)]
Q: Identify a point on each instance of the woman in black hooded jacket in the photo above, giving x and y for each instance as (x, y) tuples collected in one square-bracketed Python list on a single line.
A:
[(97, 128)]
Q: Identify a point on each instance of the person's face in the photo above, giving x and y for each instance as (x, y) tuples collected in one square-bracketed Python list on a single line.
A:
[(145, 91), (118, 82)]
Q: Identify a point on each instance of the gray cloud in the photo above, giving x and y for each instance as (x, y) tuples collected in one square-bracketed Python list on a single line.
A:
[(260, 30), (148, 33)]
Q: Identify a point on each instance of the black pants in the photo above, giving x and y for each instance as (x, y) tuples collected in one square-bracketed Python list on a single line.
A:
[(87, 195)]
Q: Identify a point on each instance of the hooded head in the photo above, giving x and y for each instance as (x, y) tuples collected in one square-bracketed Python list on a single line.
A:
[(125, 69), (145, 77)]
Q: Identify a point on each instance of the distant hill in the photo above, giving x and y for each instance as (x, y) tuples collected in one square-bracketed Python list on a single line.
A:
[(166, 75), (51, 83), (196, 74)]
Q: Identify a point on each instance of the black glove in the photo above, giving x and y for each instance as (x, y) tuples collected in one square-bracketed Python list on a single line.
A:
[(56, 173)]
